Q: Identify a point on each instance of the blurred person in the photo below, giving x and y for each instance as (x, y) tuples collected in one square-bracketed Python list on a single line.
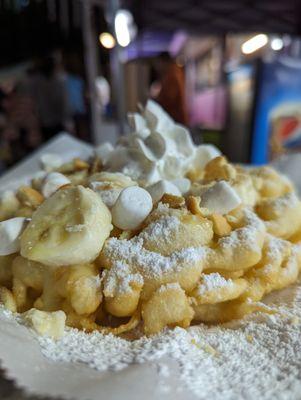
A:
[(76, 91), (171, 92), (49, 90), (4, 148), (19, 125)]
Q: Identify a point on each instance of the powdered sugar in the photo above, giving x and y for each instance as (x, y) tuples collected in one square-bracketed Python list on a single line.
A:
[(150, 263), (161, 229), (163, 370), (259, 357), (245, 236), (92, 282), (275, 252), (153, 265), (119, 279), (281, 204), (276, 246), (213, 281), (169, 286)]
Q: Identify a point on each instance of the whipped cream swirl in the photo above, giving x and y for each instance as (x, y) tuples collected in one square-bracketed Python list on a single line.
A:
[(158, 148)]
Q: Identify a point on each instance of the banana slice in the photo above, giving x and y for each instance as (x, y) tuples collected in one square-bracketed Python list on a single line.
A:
[(70, 227)]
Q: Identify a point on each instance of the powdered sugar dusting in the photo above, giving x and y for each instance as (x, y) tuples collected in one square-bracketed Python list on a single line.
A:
[(213, 281), (119, 279), (245, 236), (161, 229), (283, 203), (169, 286), (150, 263), (258, 357), (92, 282), (276, 247)]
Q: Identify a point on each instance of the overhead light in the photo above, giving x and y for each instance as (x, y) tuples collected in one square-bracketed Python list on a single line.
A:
[(125, 28), (277, 44), (255, 43), (107, 40)]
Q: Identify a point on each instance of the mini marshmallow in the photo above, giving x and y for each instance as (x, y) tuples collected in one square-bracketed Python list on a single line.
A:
[(221, 198), (51, 161), (103, 151), (10, 231), (204, 154), (158, 189), (53, 182), (183, 184), (131, 208)]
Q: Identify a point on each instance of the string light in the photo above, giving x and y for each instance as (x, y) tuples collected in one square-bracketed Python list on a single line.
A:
[(255, 43), (107, 40), (276, 44), (123, 21)]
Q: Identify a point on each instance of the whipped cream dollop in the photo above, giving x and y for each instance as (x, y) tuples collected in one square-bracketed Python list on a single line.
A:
[(157, 149)]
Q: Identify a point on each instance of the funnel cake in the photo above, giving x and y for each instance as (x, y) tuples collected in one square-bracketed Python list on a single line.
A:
[(152, 233)]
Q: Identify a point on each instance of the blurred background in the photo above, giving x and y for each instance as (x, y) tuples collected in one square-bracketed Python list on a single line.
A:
[(228, 69)]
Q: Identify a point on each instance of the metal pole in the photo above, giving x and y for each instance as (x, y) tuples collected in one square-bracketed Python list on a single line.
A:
[(118, 88), (89, 41), (117, 71)]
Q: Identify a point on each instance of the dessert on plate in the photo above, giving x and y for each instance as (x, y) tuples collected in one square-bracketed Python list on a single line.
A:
[(152, 233)]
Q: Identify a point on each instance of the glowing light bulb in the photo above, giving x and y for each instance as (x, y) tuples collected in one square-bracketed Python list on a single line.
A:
[(107, 40), (255, 43), (276, 44), (123, 20)]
